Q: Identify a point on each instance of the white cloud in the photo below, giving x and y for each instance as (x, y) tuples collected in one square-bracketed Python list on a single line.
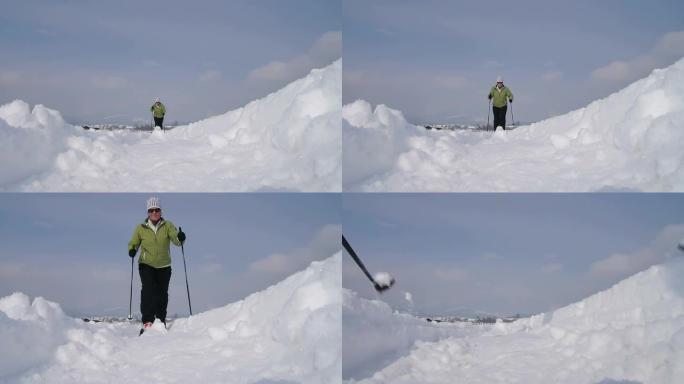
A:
[(11, 269), (669, 48), (490, 256), (451, 82), (275, 263), (491, 64), (552, 75), (211, 268), (451, 274), (385, 32), (109, 82), (9, 77), (621, 265), (552, 268), (150, 63), (326, 49), (210, 75), (324, 244)]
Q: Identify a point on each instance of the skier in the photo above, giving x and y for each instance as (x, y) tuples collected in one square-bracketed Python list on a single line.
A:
[(153, 237), (158, 110), (500, 95)]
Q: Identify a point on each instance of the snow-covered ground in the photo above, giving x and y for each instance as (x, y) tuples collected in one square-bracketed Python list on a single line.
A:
[(632, 332), (288, 141), (288, 333), (629, 141)]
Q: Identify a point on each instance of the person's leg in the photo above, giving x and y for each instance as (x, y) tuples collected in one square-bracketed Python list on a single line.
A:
[(163, 278), (147, 292), (503, 116), (496, 111), (158, 122)]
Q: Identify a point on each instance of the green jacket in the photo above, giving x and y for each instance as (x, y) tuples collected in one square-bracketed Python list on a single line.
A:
[(501, 96), (154, 247), (158, 109)]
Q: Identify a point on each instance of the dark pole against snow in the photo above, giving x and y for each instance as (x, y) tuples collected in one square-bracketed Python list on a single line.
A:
[(489, 109), (187, 287), (512, 118), (378, 287), (130, 298)]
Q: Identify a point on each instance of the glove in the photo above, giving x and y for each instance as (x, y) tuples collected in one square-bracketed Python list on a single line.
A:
[(131, 252), (489, 96), (510, 101), (181, 236)]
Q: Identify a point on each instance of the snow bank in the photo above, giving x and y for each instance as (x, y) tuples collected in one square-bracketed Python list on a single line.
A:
[(288, 141), (375, 335), (632, 332), (288, 333), (631, 140), (30, 332), (372, 140), (31, 140)]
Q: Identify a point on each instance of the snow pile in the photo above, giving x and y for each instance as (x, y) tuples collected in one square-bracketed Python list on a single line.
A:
[(375, 335), (632, 332), (31, 140), (630, 140), (288, 333), (372, 140), (30, 332), (287, 141)]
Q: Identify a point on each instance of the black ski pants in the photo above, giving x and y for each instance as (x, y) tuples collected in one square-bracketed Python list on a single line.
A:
[(159, 122), (154, 295), (500, 116)]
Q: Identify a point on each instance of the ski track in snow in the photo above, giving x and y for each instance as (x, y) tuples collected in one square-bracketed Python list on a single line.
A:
[(288, 333), (287, 141), (632, 332), (629, 141)]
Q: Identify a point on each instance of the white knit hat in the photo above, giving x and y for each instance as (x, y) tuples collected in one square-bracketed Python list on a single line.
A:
[(156, 99), (499, 79), (153, 202)]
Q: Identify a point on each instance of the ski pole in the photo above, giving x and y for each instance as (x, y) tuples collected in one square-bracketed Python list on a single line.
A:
[(358, 261), (489, 109), (186, 274), (130, 298), (512, 118)]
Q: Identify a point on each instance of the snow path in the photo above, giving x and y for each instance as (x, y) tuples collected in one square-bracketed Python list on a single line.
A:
[(288, 333), (630, 333), (629, 141), (287, 141)]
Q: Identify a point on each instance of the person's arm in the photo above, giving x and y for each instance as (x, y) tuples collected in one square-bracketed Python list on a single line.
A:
[(135, 240), (173, 234), (510, 95), (489, 96), (152, 108), (163, 109)]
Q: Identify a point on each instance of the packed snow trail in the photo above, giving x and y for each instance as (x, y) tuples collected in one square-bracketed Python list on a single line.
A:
[(375, 335), (288, 333), (631, 333), (629, 141), (287, 141)]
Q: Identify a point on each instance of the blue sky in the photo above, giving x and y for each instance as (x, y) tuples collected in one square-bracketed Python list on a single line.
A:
[(436, 60), (107, 61), (505, 253), (72, 248)]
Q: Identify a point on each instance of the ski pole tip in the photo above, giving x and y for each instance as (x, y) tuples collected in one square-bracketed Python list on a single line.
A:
[(380, 287)]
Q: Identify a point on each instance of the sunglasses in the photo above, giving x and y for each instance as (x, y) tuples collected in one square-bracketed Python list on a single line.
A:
[(153, 210)]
